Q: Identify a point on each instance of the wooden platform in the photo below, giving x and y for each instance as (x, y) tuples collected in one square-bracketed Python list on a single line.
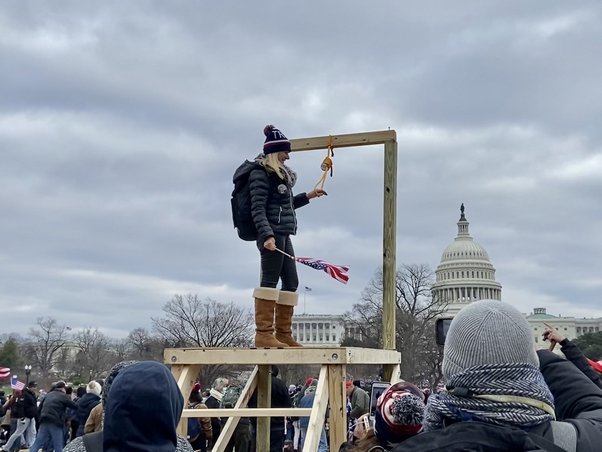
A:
[(186, 362)]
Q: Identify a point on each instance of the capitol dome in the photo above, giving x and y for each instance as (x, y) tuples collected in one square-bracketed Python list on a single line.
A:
[(464, 248), (465, 273)]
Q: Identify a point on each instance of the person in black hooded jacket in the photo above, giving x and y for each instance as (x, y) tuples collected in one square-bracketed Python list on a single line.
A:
[(273, 211), (85, 404), (142, 410)]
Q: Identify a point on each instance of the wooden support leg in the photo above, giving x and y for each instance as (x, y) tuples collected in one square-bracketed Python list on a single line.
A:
[(318, 413), (264, 400), (392, 373), (185, 375), (338, 406)]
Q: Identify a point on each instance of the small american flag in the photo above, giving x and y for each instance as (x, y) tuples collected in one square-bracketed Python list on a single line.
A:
[(338, 272), (16, 384)]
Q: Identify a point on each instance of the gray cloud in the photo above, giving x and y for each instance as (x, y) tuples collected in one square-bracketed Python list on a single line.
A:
[(121, 125)]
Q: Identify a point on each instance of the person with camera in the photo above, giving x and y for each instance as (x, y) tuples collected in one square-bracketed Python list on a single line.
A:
[(572, 353), (503, 395)]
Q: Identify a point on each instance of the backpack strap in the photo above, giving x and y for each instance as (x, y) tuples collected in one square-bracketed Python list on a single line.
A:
[(564, 435), (93, 441)]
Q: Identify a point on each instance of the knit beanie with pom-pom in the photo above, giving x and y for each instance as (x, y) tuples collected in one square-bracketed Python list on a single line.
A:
[(275, 140), (399, 413)]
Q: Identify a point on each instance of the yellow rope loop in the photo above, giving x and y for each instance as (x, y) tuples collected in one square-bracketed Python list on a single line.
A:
[(326, 165)]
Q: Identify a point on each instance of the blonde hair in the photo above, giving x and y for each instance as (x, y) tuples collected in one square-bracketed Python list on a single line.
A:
[(271, 162)]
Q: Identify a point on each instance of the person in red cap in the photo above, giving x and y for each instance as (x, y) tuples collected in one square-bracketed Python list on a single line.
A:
[(358, 398)]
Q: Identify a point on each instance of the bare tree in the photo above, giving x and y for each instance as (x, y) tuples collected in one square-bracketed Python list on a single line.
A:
[(93, 353), (416, 311), (121, 349), (190, 322), (365, 320), (45, 344), (144, 346), (416, 314)]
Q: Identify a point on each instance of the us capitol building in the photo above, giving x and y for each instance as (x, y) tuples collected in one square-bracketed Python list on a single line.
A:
[(464, 275)]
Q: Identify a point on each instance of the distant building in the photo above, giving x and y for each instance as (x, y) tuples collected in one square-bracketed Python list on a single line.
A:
[(313, 330), (569, 327), (465, 273)]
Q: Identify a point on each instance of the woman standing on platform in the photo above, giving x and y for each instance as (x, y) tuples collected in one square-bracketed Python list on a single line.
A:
[(273, 207)]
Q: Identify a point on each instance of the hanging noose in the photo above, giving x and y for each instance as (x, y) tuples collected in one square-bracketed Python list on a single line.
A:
[(326, 165)]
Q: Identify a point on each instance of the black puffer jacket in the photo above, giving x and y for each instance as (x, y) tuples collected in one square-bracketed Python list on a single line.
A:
[(273, 203), (53, 407), (576, 356), (30, 404)]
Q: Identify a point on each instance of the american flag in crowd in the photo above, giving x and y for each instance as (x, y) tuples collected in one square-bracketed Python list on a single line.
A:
[(4, 372), (16, 384), (338, 272)]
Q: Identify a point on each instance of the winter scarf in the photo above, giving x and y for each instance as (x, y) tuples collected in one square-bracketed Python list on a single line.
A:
[(503, 394)]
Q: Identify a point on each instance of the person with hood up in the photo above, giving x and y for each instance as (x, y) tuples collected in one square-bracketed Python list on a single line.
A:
[(273, 207), (85, 404), (503, 395), (143, 405)]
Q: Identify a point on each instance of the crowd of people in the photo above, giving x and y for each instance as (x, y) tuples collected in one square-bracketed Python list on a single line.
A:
[(500, 393)]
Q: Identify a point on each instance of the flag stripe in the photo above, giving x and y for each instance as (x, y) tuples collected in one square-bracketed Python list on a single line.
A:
[(338, 272)]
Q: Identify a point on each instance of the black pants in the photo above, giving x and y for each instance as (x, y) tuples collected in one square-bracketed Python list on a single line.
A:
[(275, 265)]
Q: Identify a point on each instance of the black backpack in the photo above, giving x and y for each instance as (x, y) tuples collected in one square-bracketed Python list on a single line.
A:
[(241, 202)]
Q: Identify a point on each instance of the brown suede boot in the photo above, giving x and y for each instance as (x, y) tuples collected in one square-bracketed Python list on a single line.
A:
[(284, 318), (265, 302)]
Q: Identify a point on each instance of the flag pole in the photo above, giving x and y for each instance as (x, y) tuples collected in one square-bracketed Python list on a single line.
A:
[(286, 254), (304, 303)]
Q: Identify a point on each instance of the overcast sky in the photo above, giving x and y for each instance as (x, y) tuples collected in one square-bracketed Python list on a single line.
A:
[(121, 124)]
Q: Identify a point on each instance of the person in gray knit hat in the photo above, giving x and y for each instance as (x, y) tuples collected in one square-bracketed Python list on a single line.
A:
[(474, 336), (503, 395)]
